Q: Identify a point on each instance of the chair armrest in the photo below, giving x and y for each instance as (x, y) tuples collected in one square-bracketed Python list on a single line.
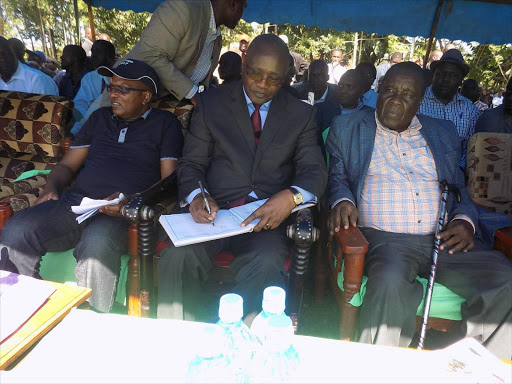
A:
[(140, 207), (351, 241), (5, 213), (503, 241)]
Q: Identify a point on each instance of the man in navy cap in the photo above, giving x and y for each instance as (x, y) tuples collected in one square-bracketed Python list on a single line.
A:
[(443, 101), (123, 148)]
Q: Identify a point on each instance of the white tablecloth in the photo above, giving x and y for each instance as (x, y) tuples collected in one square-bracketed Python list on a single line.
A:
[(87, 347)]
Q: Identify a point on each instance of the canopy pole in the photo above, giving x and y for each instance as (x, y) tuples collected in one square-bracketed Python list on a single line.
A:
[(433, 31), (91, 20), (77, 21)]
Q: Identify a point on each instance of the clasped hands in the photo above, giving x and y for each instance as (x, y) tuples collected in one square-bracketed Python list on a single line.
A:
[(457, 235), (271, 214)]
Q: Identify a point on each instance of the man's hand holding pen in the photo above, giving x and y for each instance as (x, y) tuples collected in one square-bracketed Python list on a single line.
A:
[(198, 209)]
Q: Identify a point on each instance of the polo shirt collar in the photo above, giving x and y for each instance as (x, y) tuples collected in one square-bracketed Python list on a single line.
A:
[(143, 116)]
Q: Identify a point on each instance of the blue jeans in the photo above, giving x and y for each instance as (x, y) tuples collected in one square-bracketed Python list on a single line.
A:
[(99, 243)]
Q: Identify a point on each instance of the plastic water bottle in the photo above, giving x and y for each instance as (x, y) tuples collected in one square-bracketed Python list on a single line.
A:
[(274, 299), (277, 361), (211, 363), (240, 344)]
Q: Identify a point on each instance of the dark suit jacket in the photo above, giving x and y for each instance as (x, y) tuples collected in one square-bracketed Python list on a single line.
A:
[(350, 143), (325, 113), (303, 90), (221, 152)]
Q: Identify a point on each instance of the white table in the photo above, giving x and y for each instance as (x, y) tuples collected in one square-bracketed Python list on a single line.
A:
[(87, 347)]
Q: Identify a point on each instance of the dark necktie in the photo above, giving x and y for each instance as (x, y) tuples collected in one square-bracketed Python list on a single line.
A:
[(256, 123)]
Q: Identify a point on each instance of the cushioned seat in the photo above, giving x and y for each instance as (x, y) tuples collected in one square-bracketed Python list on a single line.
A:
[(60, 267)]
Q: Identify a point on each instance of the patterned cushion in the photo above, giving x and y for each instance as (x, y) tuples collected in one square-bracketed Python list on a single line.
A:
[(31, 123), (181, 109), (489, 169), (23, 200)]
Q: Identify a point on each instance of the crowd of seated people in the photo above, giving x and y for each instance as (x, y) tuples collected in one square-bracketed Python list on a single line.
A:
[(374, 142)]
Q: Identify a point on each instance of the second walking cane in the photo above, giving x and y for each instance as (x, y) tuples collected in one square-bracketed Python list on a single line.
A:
[(446, 189)]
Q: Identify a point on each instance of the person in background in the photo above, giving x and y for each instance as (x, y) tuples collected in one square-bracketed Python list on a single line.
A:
[(368, 72), (443, 101), (40, 58), (384, 177), (447, 47), (92, 84), (497, 99), (471, 90), (103, 36), (230, 67), (318, 75), (499, 119), (182, 41), (348, 100), (243, 44), (18, 47), (52, 65), (396, 57), (435, 55), (16, 76), (287, 84), (336, 67), (73, 61), (124, 148), (87, 43)]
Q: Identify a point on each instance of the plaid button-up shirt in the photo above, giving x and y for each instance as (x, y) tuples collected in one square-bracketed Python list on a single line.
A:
[(205, 60), (459, 110), (401, 191)]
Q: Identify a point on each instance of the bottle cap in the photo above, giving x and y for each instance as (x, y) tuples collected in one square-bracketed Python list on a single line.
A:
[(274, 300), (231, 308)]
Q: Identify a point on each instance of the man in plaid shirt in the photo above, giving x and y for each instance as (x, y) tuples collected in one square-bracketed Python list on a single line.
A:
[(384, 176), (443, 101)]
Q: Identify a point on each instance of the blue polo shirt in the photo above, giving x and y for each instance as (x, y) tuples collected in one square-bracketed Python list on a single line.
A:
[(123, 156)]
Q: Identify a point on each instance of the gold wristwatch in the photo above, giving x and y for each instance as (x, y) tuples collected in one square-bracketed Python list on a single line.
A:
[(297, 196)]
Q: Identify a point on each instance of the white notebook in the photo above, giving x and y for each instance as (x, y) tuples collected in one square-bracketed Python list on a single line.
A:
[(183, 230)]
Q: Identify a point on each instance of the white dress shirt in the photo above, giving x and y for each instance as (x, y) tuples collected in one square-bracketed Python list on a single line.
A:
[(30, 80)]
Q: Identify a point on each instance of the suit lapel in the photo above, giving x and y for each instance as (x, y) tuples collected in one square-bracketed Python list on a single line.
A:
[(366, 144), (275, 118), (240, 112)]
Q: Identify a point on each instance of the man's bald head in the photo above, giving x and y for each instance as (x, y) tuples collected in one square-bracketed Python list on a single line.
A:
[(407, 68), (449, 46), (265, 67), (435, 55), (8, 60), (336, 56), (269, 44), (396, 57)]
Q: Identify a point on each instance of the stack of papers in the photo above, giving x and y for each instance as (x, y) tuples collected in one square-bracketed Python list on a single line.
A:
[(88, 207), (20, 297)]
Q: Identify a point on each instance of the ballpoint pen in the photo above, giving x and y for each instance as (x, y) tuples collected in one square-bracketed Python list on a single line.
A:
[(206, 201)]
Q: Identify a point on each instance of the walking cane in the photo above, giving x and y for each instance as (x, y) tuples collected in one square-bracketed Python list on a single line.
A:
[(447, 188)]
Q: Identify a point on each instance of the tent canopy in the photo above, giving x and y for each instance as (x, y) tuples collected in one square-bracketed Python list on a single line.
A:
[(485, 21)]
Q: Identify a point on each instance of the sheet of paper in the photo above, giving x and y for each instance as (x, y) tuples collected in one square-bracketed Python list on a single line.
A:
[(20, 297), (88, 204), (244, 211), (183, 230)]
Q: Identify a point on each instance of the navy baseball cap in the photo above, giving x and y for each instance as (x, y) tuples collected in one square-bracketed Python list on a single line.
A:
[(130, 69)]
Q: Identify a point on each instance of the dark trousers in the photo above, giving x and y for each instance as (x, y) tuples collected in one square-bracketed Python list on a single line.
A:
[(99, 243), (259, 263), (483, 277)]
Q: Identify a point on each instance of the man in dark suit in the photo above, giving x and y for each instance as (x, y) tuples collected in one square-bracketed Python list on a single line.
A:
[(317, 83), (348, 100), (384, 176), (248, 140)]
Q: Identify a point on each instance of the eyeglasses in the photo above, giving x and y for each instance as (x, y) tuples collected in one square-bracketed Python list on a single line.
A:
[(257, 76), (122, 89)]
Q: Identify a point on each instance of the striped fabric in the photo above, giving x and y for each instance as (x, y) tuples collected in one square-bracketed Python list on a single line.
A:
[(205, 60), (401, 190), (460, 111)]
